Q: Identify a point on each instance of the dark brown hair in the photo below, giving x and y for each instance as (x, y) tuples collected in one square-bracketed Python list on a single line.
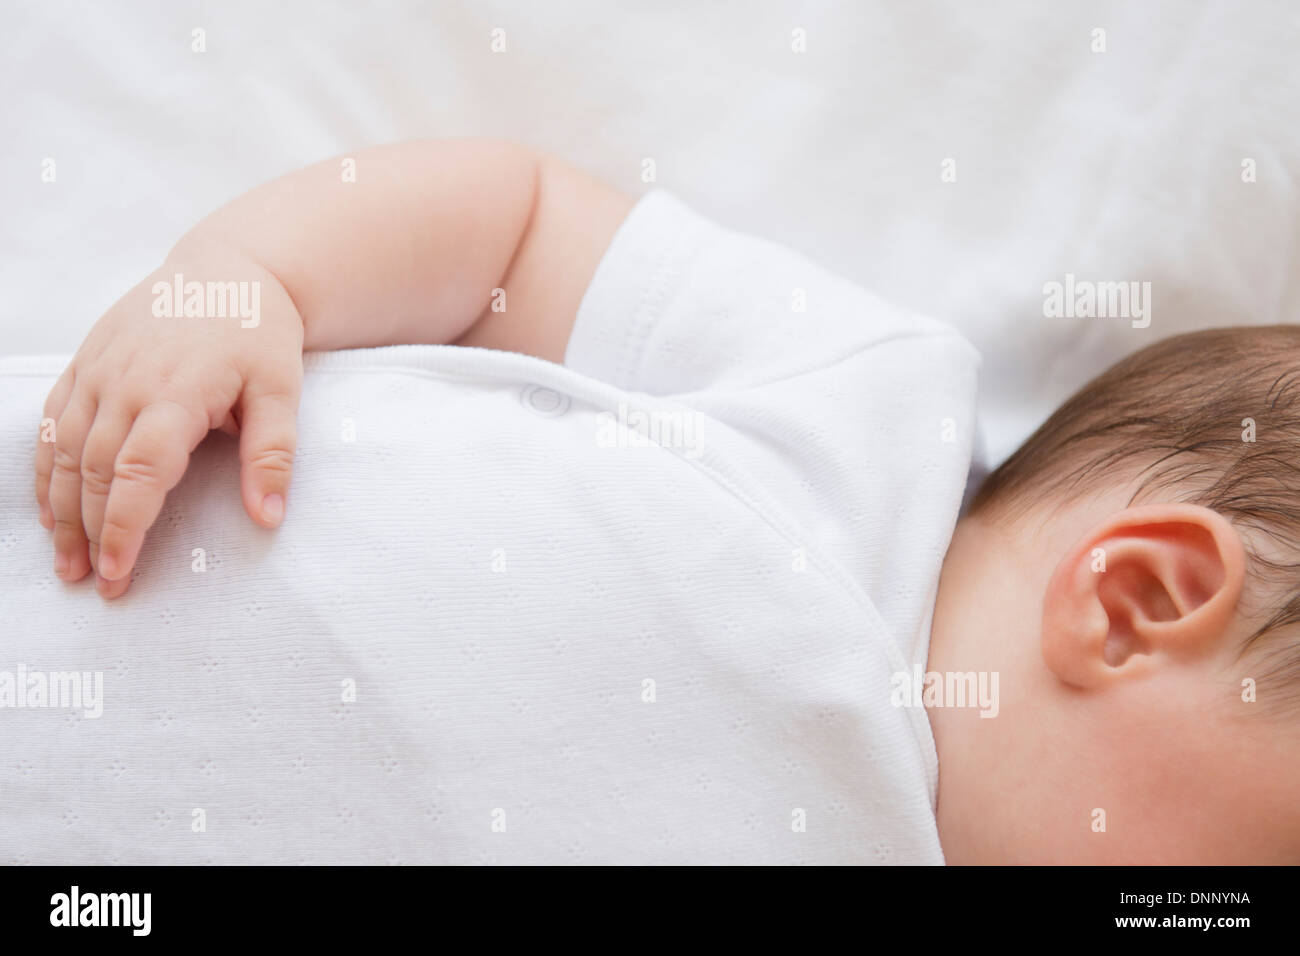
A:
[(1209, 418)]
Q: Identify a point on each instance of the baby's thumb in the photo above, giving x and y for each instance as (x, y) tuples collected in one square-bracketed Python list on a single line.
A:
[(268, 435)]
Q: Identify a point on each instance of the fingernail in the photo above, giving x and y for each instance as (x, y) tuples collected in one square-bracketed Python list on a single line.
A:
[(107, 567), (273, 508), (60, 564)]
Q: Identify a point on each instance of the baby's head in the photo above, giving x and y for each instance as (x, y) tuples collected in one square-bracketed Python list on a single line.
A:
[(1132, 574)]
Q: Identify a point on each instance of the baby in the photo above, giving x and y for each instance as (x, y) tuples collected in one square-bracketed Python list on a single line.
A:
[(728, 494)]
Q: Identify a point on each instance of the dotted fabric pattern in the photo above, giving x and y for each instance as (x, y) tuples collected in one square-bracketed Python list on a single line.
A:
[(497, 628)]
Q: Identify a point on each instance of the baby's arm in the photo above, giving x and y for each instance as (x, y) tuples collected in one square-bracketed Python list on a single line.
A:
[(409, 252)]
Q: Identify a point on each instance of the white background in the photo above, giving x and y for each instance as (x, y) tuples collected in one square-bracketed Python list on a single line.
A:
[(1122, 165)]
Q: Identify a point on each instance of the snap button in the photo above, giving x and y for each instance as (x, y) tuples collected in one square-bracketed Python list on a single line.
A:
[(546, 402)]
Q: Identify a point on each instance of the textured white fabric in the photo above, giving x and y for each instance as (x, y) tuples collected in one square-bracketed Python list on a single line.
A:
[(479, 543)]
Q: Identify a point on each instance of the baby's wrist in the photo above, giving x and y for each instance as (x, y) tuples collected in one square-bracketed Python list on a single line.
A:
[(220, 282)]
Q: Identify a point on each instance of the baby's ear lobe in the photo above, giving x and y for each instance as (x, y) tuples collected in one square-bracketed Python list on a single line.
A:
[(1151, 585)]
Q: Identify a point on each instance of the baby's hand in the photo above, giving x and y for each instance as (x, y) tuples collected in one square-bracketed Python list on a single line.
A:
[(150, 381)]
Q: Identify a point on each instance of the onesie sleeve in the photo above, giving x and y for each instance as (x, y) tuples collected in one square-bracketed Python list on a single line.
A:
[(838, 415), (679, 304)]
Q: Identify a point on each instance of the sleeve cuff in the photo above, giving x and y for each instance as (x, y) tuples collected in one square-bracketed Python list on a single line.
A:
[(630, 291)]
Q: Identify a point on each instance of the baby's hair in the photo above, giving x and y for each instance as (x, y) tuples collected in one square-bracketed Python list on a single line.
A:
[(1208, 418)]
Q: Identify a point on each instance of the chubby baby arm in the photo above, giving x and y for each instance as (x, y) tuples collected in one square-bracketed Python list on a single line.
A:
[(400, 244)]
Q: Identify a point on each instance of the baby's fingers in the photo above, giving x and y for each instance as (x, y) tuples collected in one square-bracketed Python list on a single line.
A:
[(268, 438), (98, 464), (71, 561), (150, 464), (55, 402)]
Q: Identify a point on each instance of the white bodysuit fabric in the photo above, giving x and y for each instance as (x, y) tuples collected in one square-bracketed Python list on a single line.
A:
[(645, 607)]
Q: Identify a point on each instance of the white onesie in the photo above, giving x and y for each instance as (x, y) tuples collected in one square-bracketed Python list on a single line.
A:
[(643, 608)]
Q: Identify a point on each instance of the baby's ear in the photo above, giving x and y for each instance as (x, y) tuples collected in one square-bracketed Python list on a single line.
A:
[(1150, 586)]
